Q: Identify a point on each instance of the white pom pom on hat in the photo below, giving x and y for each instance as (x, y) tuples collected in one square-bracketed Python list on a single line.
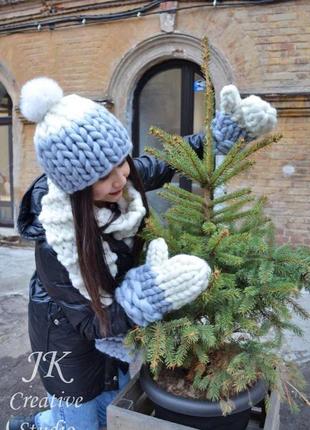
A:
[(38, 96)]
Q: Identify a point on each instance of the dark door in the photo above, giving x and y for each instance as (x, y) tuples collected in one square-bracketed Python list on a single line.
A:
[(169, 96)]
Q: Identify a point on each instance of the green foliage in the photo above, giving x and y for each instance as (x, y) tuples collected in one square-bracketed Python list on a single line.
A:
[(230, 334)]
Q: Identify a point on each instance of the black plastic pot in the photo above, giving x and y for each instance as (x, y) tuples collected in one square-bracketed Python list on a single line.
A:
[(201, 414)]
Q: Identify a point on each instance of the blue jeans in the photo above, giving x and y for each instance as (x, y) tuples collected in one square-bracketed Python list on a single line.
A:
[(90, 415)]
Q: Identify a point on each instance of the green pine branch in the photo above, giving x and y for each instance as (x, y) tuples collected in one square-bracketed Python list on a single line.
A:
[(230, 196), (234, 207), (179, 155), (172, 194)]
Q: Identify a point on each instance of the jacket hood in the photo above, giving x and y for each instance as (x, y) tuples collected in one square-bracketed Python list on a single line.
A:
[(28, 224)]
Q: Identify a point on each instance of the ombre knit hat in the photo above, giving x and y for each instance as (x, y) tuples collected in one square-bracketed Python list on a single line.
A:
[(77, 141)]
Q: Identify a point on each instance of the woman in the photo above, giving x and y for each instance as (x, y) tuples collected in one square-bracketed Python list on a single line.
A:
[(85, 213)]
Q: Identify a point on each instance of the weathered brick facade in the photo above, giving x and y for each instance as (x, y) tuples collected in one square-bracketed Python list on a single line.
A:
[(266, 48)]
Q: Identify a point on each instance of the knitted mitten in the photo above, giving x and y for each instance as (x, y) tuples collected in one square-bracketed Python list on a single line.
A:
[(114, 347), (248, 118), (162, 284)]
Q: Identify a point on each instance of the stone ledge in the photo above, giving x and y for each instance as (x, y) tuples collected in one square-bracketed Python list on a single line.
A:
[(290, 104)]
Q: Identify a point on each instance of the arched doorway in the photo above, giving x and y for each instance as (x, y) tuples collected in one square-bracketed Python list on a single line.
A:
[(6, 159), (170, 95)]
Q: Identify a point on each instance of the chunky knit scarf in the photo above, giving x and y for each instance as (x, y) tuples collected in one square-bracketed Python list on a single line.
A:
[(57, 219)]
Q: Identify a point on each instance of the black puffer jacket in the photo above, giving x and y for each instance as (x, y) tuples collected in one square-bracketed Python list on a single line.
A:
[(59, 317)]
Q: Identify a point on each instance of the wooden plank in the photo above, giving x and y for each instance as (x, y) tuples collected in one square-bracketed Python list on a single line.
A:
[(273, 415)]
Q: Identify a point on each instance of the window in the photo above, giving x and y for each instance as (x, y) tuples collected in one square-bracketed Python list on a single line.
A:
[(6, 159)]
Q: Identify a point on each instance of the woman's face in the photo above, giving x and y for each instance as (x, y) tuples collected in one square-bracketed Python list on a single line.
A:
[(110, 188)]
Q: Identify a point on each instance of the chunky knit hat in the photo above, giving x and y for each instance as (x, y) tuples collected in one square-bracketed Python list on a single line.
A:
[(77, 141)]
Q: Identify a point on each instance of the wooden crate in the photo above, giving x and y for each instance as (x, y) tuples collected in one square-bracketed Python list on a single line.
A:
[(132, 410)]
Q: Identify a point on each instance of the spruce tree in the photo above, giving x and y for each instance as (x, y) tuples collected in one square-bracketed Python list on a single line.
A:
[(229, 336)]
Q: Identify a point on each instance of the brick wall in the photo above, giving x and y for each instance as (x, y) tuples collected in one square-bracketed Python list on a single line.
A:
[(267, 47), (288, 196)]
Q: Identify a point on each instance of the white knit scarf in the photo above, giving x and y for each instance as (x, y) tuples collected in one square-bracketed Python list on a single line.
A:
[(57, 219)]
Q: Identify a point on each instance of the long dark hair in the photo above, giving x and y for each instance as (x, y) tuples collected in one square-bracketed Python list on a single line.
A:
[(93, 266)]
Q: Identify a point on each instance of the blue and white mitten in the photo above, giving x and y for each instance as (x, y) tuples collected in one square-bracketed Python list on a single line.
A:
[(159, 286), (114, 347), (238, 118), (162, 284)]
